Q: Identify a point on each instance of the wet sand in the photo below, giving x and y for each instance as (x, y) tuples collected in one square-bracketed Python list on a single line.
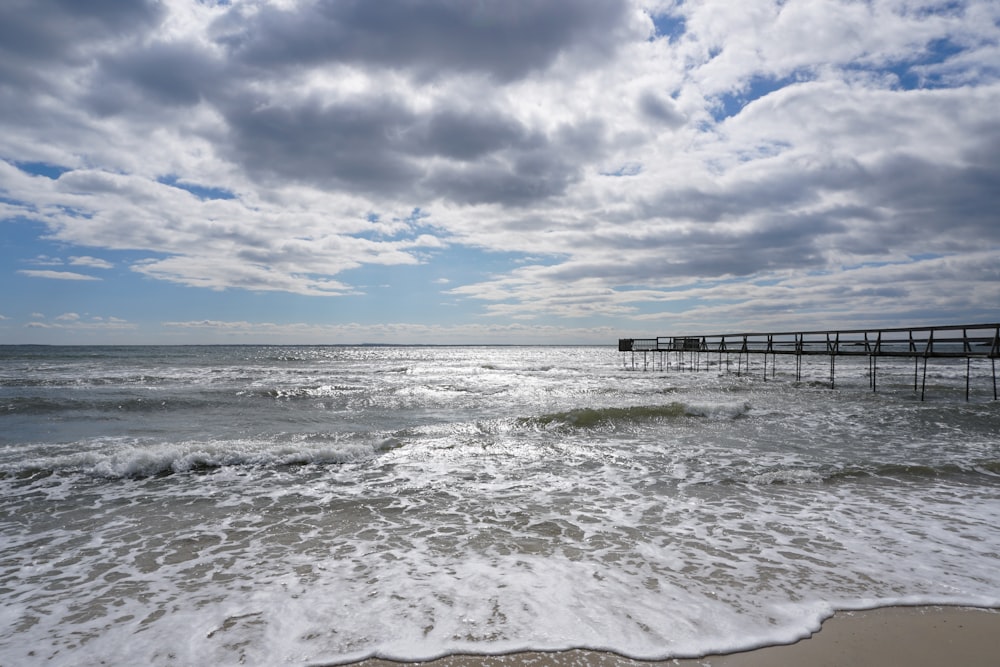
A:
[(909, 636)]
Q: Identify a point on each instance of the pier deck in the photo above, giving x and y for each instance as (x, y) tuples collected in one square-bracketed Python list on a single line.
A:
[(963, 341)]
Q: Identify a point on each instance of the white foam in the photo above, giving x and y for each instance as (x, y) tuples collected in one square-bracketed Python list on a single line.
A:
[(788, 476), (719, 410)]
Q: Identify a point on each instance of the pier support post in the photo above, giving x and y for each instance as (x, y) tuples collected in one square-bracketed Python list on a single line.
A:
[(833, 349), (923, 384), (994, 363), (799, 345), (968, 366)]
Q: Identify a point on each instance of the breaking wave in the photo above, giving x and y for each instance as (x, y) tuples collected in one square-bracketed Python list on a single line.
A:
[(586, 418), (140, 460)]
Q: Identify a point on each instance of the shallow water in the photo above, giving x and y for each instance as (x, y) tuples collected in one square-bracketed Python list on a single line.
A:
[(303, 505)]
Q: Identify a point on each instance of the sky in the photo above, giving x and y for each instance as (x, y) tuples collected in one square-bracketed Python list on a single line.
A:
[(494, 171)]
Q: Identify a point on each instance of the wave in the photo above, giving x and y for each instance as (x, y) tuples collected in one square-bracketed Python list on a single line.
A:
[(315, 391), (989, 468), (97, 381), (587, 418), (786, 476), (40, 405), (135, 461), (903, 472), (81, 401), (524, 370)]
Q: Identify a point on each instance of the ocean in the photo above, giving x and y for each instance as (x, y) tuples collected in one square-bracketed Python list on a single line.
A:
[(268, 505)]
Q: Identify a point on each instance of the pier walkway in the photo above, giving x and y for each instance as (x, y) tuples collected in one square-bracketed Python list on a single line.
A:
[(963, 341)]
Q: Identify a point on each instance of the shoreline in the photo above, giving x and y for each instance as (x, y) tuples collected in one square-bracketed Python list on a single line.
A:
[(915, 636)]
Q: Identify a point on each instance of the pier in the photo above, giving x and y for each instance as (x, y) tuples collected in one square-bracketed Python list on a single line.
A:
[(922, 344)]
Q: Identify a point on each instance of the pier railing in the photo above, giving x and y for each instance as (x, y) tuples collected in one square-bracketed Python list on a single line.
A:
[(963, 341)]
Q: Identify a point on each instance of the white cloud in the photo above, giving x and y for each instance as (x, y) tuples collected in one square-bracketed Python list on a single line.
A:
[(92, 262), (45, 260), (74, 322), (56, 275)]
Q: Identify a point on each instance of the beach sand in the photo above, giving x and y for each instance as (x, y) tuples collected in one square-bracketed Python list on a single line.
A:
[(910, 636)]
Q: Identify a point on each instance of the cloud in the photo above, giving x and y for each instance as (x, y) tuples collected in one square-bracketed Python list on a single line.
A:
[(45, 260), (198, 271), (621, 175), (348, 145), (506, 41), (56, 275), (381, 146), (660, 109), (92, 262), (59, 33), (74, 322), (177, 73)]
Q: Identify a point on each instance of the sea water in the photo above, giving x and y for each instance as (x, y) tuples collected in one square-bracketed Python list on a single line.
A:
[(320, 505)]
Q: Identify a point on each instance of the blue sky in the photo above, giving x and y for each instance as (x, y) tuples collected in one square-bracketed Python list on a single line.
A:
[(564, 171)]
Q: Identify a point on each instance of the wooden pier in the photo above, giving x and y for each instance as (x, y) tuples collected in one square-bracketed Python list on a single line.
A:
[(963, 341)]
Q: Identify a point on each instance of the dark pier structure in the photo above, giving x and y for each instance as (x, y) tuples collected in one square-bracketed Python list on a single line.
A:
[(963, 341)]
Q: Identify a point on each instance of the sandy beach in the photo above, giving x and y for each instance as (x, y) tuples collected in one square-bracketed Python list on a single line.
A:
[(911, 636)]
